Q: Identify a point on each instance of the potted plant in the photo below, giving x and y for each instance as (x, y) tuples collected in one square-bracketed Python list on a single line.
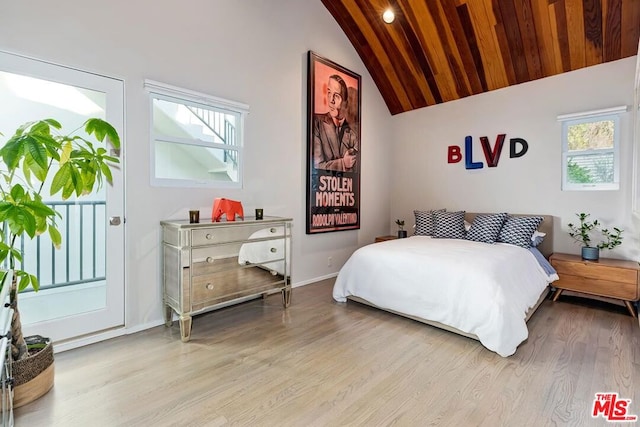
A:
[(39, 159), (583, 232), (402, 233)]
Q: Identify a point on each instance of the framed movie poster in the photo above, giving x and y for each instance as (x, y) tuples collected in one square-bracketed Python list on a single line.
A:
[(333, 147)]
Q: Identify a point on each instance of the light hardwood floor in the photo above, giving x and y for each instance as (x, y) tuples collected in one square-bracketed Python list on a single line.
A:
[(320, 363)]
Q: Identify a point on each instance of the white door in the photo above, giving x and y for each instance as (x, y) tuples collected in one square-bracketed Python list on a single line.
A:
[(82, 284)]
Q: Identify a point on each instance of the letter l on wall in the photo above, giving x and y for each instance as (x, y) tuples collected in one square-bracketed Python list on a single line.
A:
[(468, 155)]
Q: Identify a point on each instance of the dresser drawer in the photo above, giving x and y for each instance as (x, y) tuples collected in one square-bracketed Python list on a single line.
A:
[(213, 235), (605, 288), (230, 284), (596, 271), (210, 254), (211, 266), (210, 259)]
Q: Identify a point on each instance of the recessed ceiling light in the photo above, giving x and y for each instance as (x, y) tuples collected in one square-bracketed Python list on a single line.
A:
[(388, 16)]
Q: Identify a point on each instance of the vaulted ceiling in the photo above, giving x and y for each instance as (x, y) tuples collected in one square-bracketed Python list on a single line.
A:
[(441, 50)]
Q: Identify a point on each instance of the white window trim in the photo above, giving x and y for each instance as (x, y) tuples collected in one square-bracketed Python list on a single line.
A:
[(202, 98), (567, 120), (176, 94)]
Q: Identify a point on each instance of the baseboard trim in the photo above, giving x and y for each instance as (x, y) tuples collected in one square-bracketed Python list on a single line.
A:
[(314, 280)]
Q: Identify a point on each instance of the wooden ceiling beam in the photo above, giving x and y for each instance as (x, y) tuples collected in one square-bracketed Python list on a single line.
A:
[(611, 32), (440, 50)]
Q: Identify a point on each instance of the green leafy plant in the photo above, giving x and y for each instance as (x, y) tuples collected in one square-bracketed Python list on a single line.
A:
[(40, 158), (577, 173), (400, 224), (583, 232)]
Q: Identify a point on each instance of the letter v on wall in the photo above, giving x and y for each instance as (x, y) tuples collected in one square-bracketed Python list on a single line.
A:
[(492, 156)]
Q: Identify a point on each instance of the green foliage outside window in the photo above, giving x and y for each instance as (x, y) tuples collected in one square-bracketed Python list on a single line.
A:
[(577, 173), (591, 135)]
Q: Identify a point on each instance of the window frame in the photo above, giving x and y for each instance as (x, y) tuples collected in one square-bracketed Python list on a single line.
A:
[(635, 187), (166, 92), (567, 120)]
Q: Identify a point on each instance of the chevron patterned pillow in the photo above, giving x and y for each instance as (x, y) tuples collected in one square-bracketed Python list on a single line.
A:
[(486, 227), (449, 225), (517, 230), (424, 222)]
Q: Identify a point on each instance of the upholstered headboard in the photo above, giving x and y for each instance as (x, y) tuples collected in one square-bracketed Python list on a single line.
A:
[(546, 247)]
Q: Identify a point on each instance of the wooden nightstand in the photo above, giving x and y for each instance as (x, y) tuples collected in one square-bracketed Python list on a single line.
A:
[(610, 278), (385, 238)]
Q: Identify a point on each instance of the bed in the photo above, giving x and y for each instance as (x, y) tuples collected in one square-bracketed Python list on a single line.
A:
[(483, 291)]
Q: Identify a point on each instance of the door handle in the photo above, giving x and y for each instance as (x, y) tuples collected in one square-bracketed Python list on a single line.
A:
[(114, 220)]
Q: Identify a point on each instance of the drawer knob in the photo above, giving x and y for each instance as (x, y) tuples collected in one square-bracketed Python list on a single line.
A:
[(209, 236), (272, 230), (274, 250), (209, 259), (210, 286)]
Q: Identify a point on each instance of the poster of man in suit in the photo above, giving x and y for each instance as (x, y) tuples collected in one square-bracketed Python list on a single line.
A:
[(333, 165)]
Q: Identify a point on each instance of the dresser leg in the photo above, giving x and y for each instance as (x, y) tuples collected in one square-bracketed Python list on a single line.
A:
[(168, 316), (185, 327), (630, 308), (557, 294), (286, 297)]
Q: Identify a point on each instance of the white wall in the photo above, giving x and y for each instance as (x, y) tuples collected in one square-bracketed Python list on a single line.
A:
[(530, 184), (253, 52)]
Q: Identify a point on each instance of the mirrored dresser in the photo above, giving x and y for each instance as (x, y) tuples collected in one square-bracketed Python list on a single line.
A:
[(210, 265)]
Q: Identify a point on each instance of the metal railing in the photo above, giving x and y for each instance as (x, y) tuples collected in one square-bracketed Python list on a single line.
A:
[(217, 123), (81, 258)]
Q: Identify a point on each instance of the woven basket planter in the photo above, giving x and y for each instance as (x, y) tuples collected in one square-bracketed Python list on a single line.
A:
[(33, 376)]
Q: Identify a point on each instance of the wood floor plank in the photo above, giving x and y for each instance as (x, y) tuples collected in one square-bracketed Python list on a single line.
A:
[(321, 363)]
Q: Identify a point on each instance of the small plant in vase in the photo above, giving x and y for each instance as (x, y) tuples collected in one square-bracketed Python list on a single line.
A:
[(583, 234), (402, 233)]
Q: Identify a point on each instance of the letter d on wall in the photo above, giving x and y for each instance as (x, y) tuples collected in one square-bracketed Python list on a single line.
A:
[(513, 147)]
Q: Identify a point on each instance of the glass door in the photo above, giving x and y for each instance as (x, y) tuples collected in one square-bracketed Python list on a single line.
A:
[(81, 283)]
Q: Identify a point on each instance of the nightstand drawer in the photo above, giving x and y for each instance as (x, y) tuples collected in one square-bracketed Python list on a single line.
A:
[(594, 270), (605, 288), (611, 278)]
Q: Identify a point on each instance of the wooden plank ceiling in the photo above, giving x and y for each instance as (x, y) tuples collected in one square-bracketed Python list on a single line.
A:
[(441, 50)]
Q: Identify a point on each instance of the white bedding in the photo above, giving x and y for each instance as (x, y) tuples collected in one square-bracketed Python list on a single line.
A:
[(266, 253), (478, 288)]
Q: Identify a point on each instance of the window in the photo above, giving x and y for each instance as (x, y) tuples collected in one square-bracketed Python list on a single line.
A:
[(591, 150), (196, 139)]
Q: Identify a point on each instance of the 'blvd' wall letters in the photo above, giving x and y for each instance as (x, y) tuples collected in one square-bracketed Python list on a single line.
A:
[(517, 148)]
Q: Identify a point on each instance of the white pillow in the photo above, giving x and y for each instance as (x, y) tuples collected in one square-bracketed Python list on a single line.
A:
[(537, 237)]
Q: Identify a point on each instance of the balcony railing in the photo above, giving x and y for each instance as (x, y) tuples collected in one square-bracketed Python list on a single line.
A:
[(81, 259)]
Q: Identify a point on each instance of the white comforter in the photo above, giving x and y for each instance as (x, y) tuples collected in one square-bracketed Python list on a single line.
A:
[(475, 287)]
